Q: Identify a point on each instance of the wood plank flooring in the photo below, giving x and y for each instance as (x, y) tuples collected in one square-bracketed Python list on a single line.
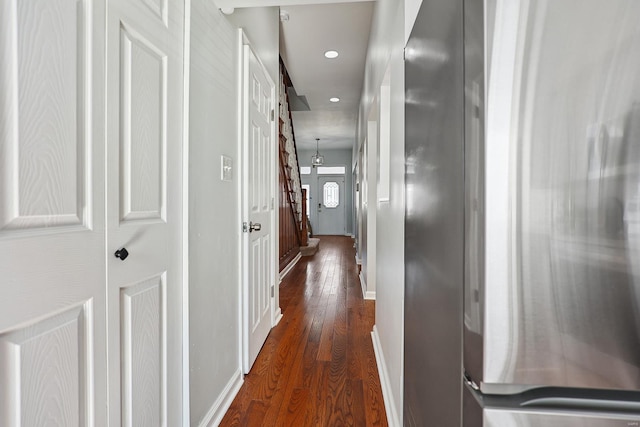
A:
[(317, 367)]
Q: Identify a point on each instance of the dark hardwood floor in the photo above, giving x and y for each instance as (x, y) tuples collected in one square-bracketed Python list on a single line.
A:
[(317, 367)]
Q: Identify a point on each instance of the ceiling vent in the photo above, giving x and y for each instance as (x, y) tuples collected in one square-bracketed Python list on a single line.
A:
[(297, 102)]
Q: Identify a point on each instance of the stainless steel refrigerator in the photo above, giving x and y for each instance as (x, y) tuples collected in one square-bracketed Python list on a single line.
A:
[(524, 166)]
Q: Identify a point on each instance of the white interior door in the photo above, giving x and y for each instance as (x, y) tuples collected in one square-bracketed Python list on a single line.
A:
[(52, 304), (331, 213), (144, 199), (258, 96)]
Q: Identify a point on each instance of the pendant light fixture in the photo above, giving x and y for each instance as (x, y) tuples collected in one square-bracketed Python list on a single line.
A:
[(317, 159)]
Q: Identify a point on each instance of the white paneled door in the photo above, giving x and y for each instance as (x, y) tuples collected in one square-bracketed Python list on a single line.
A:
[(144, 205), (52, 264), (258, 96), (88, 339)]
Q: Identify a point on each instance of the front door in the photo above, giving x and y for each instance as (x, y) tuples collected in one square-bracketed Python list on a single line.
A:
[(258, 95), (331, 216), (52, 304), (144, 215)]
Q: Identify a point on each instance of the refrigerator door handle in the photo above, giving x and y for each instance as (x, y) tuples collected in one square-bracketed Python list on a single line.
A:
[(582, 403)]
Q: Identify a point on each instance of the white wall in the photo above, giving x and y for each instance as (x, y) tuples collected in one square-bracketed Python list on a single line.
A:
[(390, 230), (386, 44), (331, 158), (213, 238), (214, 229), (411, 8), (262, 27)]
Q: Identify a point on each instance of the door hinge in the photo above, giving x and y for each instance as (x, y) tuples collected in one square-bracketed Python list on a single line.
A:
[(273, 114), (273, 292), (245, 227), (404, 54)]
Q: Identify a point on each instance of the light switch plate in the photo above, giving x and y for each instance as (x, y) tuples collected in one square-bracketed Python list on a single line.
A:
[(226, 168)]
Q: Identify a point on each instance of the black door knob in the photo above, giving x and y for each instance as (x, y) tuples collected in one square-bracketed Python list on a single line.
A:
[(122, 254)]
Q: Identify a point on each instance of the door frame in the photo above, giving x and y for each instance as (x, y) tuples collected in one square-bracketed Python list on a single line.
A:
[(243, 200)]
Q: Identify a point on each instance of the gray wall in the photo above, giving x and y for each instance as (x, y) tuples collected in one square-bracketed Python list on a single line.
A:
[(331, 158), (214, 217), (392, 21)]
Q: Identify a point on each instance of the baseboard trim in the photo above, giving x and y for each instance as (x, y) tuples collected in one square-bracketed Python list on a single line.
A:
[(223, 402), (358, 260), (289, 266), (369, 295), (277, 317), (385, 383)]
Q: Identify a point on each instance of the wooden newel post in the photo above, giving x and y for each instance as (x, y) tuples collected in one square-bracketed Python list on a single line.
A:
[(304, 233)]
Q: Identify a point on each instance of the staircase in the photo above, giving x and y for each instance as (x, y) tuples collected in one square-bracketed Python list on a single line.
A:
[(293, 234)]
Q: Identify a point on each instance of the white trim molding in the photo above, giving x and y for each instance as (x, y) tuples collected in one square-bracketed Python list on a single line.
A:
[(277, 317), (223, 402), (385, 383), (289, 266), (186, 414), (370, 295)]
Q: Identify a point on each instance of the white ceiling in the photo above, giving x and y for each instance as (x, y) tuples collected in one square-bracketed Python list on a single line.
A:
[(315, 26), (310, 31)]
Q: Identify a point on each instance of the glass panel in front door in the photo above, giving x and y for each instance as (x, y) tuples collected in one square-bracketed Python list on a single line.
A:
[(331, 194)]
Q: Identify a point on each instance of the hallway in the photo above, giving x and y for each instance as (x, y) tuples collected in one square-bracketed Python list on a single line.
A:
[(317, 366)]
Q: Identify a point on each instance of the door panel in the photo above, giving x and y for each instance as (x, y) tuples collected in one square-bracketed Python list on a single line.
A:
[(52, 305), (159, 8), (489, 411), (568, 224), (256, 282), (144, 213), (143, 141), (258, 103), (142, 330), (45, 115), (46, 369), (331, 213), (474, 105), (434, 216)]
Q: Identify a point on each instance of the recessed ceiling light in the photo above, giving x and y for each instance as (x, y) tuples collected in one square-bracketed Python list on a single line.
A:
[(331, 54), (334, 99)]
